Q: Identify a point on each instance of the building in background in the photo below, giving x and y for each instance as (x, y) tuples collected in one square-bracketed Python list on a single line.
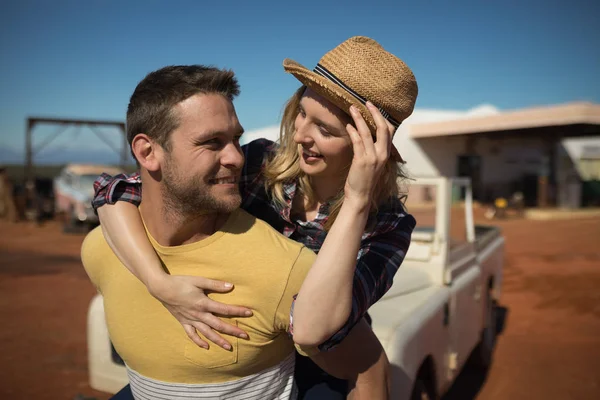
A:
[(550, 154)]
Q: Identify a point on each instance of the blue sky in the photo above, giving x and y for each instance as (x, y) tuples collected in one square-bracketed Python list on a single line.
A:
[(82, 59)]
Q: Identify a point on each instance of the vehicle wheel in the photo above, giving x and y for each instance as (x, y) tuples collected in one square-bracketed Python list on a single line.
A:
[(483, 353), (420, 391)]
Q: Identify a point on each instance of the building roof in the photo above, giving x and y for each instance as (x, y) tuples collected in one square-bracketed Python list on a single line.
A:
[(487, 120)]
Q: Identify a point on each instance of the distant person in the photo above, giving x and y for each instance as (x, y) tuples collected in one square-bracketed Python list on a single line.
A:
[(301, 187), (184, 133), (8, 208)]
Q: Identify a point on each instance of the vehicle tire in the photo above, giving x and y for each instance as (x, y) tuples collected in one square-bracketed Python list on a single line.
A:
[(421, 391), (483, 353)]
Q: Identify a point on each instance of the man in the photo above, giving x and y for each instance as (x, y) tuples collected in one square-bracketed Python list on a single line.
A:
[(184, 133)]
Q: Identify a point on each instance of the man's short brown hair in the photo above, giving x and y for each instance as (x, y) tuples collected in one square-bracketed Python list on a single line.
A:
[(150, 109)]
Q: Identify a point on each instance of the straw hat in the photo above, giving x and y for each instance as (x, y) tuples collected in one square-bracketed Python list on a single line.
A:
[(358, 70)]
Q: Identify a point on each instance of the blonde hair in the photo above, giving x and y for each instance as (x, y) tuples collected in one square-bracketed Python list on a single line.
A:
[(284, 167)]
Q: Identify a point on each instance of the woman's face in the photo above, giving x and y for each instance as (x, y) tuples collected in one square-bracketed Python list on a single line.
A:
[(324, 146)]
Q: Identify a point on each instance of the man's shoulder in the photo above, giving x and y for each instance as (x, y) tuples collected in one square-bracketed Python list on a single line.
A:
[(93, 241), (95, 251), (96, 256)]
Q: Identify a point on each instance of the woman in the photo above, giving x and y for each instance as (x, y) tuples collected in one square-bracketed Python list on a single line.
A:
[(301, 187)]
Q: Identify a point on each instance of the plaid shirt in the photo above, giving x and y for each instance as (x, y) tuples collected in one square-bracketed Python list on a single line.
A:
[(382, 248)]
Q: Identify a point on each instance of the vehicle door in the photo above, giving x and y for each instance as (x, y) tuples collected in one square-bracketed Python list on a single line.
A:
[(462, 273)]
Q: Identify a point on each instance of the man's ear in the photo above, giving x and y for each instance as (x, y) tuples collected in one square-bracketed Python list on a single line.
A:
[(148, 153)]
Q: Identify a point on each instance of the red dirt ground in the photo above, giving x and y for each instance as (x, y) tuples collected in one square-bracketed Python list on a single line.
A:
[(549, 349)]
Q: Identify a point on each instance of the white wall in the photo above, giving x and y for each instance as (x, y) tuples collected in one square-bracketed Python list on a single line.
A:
[(571, 151), (429, 158), (574, 146)]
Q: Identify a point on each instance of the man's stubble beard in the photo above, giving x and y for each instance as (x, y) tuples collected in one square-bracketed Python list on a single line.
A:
[(192, 197)]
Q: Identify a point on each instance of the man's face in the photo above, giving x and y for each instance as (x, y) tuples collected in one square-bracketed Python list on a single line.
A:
[(201, 172)]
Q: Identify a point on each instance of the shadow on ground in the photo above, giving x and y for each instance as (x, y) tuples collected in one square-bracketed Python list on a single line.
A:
[(28, 263)]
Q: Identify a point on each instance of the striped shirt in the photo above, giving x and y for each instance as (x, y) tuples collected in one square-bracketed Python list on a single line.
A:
[(382, 249), (276, 383)]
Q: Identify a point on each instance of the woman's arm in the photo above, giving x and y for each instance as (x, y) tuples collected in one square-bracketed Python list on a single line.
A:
[(120, 223), (380, 257), (324, 301), (183, 296)]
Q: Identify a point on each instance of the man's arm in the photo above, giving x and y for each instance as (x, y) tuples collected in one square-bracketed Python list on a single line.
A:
[(361, 360)]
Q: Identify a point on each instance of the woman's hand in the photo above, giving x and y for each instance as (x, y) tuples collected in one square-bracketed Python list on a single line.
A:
[(185, 298), (369, 157)]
